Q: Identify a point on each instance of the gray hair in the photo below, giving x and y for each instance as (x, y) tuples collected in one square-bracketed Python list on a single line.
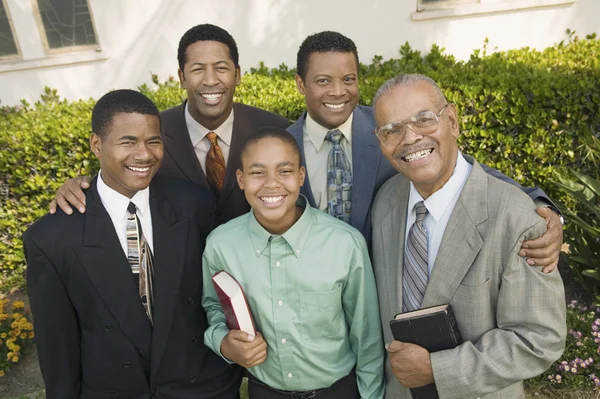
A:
[(409, 79)]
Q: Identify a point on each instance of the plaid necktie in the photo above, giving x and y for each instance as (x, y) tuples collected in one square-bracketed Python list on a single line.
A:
[(416, 273), (140, 259), (339, 179), (215, 164)]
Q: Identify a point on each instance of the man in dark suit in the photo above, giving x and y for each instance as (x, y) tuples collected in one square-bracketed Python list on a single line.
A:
[(327, 76), (116, 292), (203, 136)]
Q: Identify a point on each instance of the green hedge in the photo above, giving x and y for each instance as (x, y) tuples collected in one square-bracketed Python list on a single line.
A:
[(524, 112)]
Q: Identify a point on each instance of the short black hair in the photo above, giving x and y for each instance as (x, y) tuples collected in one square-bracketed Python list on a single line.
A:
[(270, 132), (206, 32), (323, 42), (127, 101)]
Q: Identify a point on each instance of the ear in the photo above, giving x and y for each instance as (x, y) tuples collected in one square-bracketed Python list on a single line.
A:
[(238, 75), (181, 78), (453, 120), (302, 175), (96, 145), (300, 84), (239, 175)]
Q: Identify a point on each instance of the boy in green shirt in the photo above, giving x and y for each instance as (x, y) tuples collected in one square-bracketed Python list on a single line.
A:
[(309, 284)]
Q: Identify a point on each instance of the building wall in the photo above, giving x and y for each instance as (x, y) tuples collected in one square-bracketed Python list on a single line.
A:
[(139, 37)]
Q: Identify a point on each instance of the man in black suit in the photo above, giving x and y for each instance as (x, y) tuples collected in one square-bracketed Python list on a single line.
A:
[(209, 71), (109, 320)]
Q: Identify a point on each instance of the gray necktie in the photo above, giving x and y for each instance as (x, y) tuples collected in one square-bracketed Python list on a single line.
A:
[(339, 179), (415, 274)]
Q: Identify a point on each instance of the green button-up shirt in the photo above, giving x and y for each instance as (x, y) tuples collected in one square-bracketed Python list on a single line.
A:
[(312, 296)]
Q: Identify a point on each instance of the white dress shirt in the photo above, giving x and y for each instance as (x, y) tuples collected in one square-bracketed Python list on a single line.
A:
[(316, 152), (200, 141), (116, 204), (439, 206)]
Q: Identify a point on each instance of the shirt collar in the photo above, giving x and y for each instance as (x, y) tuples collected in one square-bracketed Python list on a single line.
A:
[(197, 131), (295, 236), (316, 133), (116, 203), (438, 202)]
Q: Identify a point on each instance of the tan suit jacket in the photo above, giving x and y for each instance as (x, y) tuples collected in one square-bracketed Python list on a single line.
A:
[(510, 315)]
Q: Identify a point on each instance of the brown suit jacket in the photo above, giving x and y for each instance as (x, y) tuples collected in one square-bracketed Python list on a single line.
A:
[(180, 160)]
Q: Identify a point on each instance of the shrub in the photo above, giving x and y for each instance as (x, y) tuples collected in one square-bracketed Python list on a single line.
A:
[(16, 332), (524, 112)]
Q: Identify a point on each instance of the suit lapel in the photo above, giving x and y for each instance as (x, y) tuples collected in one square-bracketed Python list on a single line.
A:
[(461, 241), (393, 231), (242, 128), (169, 235), (106, 264), (297, 130), (365, 159), (179, 146)]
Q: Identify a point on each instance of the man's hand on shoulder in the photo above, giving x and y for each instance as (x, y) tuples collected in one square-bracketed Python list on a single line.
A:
[(545, 250), (244, 349), (71, 194)]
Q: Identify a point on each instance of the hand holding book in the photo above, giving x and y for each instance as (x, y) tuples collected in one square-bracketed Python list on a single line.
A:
[(244, 349)]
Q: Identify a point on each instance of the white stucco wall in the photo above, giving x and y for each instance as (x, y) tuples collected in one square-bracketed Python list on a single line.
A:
[(141, 36)]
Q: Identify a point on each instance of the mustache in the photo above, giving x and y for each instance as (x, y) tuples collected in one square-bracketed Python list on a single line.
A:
[(414, 148)]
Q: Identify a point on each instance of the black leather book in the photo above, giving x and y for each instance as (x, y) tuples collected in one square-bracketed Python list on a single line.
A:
[(434, 328)]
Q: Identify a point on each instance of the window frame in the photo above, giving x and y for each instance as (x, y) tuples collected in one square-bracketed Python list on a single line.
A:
[(421, 6), (18, 55), (62, 50)]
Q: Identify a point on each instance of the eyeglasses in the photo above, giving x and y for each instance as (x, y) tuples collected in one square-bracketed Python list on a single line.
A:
[(425, 122)]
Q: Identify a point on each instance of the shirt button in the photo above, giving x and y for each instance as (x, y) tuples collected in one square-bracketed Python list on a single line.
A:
[(280, 303), (290, 375), (297, 251), (283, 341), (277, 264), (258, 251)]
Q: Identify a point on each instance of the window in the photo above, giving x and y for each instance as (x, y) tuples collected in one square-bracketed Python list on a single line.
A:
[(430, 9), (66, 25), (8, 43)]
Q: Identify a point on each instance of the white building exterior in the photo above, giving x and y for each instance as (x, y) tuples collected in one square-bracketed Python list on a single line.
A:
[(137, 37)]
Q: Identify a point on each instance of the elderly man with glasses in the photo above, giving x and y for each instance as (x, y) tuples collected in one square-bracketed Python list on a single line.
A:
[(446, 232)]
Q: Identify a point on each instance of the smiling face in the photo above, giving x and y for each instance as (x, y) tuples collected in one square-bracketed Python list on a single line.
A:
[(427, 160), (209, 77), (330, 87), (130, 152), (271, 177)]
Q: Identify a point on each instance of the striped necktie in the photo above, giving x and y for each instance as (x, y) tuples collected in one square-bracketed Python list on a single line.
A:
[(415, 274), (339, 179), (140, 259), (215, 164)]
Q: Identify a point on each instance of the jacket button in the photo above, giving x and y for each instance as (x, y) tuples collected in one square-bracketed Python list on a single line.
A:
[(191, 301), (107, 327), (192, 378), (154, 393), (126, 364), (195, 339)]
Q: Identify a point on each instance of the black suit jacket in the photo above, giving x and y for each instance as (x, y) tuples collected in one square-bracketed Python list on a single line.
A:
[(93, 337), (180, 159)]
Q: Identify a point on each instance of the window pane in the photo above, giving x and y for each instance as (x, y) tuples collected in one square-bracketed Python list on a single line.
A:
[(7, 40), (67, 23)]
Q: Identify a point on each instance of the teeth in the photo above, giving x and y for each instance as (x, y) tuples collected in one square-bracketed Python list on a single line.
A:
[(418, 155), (212, 96), (335, 106), (139, 169), (272, 200)]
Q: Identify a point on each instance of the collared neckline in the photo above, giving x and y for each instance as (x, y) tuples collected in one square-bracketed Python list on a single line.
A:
[(116, 203), (295, 236), (317, 133), (198, 132), (438, 202)]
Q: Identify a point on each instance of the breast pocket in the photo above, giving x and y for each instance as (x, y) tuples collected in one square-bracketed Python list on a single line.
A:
[(321, 314), (472, 305)]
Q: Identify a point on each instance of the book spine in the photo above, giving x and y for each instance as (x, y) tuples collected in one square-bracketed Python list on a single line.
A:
[(454, 331)]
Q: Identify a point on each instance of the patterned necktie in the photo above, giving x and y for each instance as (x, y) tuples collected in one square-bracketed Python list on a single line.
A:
[(140, 259), (415, 274), (339, 179), (215, 164)]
